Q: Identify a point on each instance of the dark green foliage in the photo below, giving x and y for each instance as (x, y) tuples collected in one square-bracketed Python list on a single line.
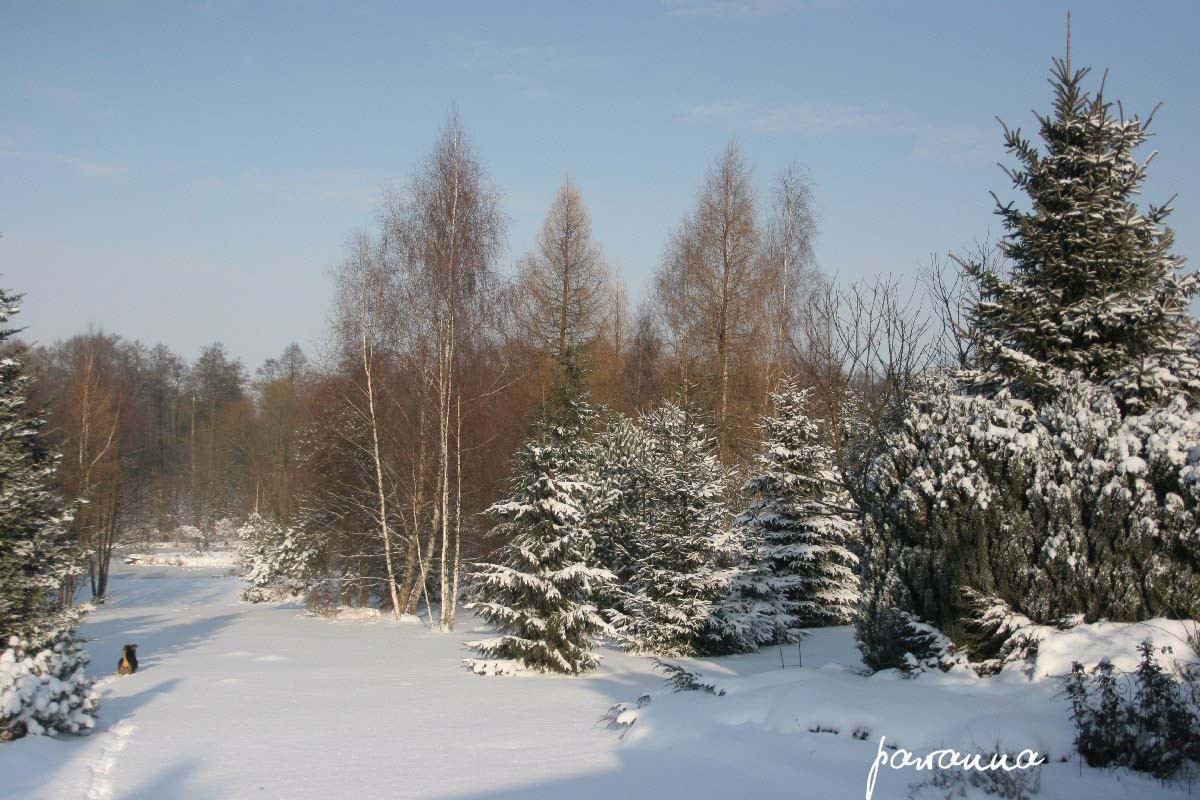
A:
[(680, 679), (685, 553), (1144, 720), (34, 544), (799, 532), (41, 662), (1093, 289), (1054, 475), (541, 593)]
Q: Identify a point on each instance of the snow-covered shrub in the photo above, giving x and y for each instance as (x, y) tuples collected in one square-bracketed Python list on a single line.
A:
[(681, 679), (277, 559), (1055, 511), (1058, 471), (45, 690), (954, 783), (194, 536), (620, 716), (1144, 720), (995, 634), (225, 530)]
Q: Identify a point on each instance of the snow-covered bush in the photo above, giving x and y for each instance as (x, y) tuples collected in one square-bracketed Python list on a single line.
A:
[(1057, 472), (1063, 510), (225, 530), (1144, 720), (277, 559), (194, 536), (45, 690), (955, 783)]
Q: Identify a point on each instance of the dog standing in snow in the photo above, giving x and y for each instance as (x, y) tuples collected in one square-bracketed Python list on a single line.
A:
[(128, 662)]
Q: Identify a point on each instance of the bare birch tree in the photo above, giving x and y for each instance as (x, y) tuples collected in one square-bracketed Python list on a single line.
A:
[(366, 318), (711, 287), (790, 268), (451, 231)]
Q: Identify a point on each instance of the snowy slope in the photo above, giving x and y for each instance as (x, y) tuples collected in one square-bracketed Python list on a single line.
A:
[(239, 701)]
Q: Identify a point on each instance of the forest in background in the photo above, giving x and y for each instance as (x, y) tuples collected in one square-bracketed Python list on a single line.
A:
[(388, 444)]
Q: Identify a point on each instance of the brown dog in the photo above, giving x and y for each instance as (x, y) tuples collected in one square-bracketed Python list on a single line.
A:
[(128, 662)]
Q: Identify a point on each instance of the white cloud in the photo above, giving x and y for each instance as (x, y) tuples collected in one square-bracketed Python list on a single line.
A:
[(743, 8), (524, 66), (808, 118), (948, 145), (84, 166)]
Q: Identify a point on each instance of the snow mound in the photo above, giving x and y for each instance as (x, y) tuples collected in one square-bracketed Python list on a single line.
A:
[(192, 559), (363, 614), (1117, 641), (493, 666)]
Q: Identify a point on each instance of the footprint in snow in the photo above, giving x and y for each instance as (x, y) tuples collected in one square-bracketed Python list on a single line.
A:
[(100, 785)]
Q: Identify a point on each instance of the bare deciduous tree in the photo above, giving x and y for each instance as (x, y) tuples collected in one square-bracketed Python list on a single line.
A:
[(450, 231), (561, 284)]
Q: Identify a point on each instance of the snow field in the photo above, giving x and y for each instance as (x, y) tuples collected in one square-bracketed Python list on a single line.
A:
[(238, 701)]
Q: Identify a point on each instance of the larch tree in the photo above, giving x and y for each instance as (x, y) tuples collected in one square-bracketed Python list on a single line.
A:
[(712, 287), (562, 282)]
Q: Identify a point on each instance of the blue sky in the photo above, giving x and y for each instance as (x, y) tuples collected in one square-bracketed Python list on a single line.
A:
[(190, 171)]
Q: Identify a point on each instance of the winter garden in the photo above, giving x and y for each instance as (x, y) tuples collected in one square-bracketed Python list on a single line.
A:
[(769, 536)]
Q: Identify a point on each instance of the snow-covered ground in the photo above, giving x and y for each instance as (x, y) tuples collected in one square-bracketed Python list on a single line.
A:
[(239, 701), (174, 555)]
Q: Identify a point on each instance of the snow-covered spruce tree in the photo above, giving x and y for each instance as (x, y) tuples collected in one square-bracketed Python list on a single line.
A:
[(618, 503), (1054, 477), (687, 552), (1092, 288), (44, 688), (799, 532), (540, 594), (278, 560)]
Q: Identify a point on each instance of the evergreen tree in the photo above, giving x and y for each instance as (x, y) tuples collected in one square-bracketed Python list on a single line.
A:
[(1051, 477), (619, 502), (541, 592), (687, 554), (798, 532), (1093, 288), (278, 559), (43, 687)]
